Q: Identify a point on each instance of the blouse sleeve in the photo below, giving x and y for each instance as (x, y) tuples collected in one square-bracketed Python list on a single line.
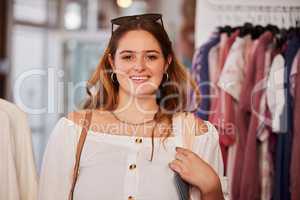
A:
[(208, 148), (58, 160)]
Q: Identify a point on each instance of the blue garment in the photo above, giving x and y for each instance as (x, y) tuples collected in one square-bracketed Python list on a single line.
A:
[(200, 70), (284, 142)]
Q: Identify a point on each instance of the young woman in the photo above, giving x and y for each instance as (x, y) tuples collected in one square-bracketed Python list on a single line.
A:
[(130, 150)]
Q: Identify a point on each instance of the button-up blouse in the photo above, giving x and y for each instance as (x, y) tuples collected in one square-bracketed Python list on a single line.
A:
[(118, 167)]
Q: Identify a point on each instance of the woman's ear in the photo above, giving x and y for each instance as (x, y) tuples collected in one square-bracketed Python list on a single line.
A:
[(111, 61), (169, 60)]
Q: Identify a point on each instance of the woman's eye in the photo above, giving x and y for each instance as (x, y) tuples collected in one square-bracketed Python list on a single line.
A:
[(152, 57), (129, 57)]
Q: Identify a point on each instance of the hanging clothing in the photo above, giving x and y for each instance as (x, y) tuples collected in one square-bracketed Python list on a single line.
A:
[(201, 71), (213, 60), (105, 161), (221, 60), (250, 184), (284, 142), (266, 167), (252, 104), (232, 75), (21, 168), (275, 93), (293, 75), (242, 120), (295, 161), (230, 81), (223, 106), (254, 74)]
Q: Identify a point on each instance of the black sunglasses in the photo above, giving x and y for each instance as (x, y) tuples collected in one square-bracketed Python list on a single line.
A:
[(151, 17)]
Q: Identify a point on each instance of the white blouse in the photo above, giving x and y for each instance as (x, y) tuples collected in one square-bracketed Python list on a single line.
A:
[(118, 167)]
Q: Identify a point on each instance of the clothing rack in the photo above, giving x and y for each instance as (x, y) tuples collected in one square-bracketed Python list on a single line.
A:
[(214, 13), (283, 14), (256, 3)]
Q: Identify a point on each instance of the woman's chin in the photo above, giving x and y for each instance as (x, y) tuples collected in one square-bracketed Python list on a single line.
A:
[(143, 94)]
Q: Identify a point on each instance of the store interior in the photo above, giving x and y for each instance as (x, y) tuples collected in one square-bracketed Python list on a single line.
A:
[(49, 49)]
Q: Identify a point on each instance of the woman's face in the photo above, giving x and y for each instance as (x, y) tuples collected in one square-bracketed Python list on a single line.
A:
[(139, 63)]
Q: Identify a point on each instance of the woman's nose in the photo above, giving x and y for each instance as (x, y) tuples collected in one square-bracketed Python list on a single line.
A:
[(140, 64)]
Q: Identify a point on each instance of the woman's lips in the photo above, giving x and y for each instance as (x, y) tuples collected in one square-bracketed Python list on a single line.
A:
[(139, 79)]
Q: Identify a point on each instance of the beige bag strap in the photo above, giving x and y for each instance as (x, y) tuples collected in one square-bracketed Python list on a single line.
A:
[(184, 125), (80, 144)]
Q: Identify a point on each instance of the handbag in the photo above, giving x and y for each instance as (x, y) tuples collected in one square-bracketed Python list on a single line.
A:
[(180, 122)]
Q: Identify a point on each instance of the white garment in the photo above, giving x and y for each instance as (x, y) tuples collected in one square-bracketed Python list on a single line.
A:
[(18, 162), (276, 93), (8, 176), (232, 75), (105, 160)]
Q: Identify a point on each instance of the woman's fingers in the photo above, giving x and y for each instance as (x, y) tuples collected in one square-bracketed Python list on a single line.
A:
[(182, 157), (177, 166), (184, 151)]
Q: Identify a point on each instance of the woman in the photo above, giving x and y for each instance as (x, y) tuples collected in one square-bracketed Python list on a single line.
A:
[(129, 152)]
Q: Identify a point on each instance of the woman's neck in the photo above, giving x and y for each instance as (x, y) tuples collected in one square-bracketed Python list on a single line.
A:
[(136, 109)]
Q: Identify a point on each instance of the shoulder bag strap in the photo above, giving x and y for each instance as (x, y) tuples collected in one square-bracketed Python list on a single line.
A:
[(80, 144), (184, 127)]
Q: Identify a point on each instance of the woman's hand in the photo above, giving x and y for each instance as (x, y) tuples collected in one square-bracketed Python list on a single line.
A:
[(197, 172)]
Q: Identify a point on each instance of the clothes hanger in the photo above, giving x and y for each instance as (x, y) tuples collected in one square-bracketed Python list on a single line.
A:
[(257, 31), (245, 29)]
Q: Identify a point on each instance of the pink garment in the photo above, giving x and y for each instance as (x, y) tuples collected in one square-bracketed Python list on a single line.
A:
[(223, 107), (242, 122), (293, 74), (250, 184), (295, 160), (231, 80), (266, 166), (245, 183), (214, 91)]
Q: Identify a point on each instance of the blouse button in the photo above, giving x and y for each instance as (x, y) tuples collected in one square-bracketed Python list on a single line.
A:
[(133, 166), (130, 198), (138, 140)]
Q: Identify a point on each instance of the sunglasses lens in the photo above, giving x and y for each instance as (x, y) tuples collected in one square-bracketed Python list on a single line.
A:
[(126, 19)]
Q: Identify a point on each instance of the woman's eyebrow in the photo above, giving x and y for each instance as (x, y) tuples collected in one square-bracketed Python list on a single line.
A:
[(153, 51), (147, 51), (126, 51)]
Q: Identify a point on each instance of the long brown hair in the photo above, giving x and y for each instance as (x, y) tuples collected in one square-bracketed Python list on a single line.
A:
[(181, 85)]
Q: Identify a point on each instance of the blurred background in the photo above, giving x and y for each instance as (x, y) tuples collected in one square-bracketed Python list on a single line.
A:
[(49, 48)]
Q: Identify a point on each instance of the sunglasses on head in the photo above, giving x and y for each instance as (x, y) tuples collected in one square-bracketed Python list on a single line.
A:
[(151, 17)]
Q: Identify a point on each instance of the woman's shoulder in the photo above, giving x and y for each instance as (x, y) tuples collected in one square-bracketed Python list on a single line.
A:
[(98, 117), (77, 117), (195, 123)]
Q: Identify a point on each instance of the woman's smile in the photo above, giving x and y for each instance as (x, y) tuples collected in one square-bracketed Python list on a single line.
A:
[(138, 79)]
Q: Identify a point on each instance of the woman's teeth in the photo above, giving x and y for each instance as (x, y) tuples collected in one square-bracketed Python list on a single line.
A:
[(139, 79)]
